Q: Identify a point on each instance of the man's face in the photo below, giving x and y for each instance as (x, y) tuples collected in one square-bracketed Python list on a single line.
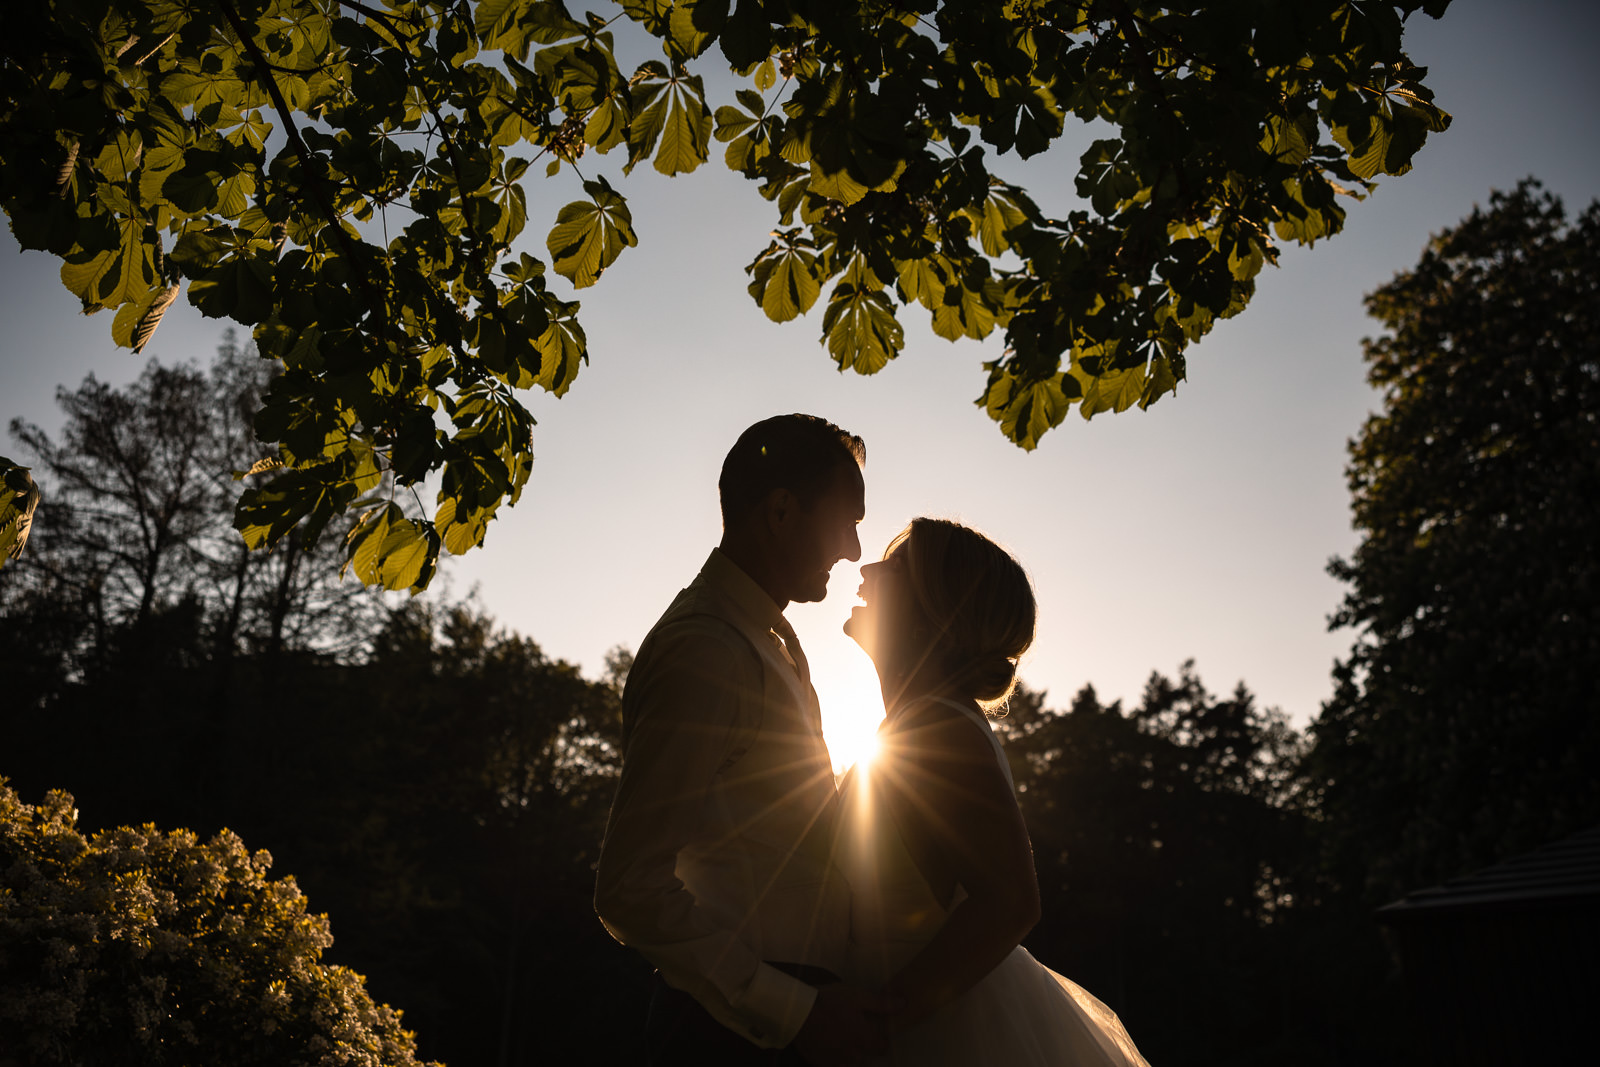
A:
[(815, 538)]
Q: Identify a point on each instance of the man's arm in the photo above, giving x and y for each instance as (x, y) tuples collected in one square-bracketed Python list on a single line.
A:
[(698, 691)]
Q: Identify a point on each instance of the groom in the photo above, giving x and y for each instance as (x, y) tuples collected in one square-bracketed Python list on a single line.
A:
[(717, 859)]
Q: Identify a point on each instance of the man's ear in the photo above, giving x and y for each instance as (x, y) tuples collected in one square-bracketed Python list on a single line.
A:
[(780, 508)]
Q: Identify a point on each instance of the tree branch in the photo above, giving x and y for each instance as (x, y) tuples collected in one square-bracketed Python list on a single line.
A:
[(1151, 82), (319, 191), (455, 165), (378, 16)]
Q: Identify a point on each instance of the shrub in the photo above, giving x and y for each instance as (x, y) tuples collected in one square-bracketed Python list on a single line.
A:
[(135, 946)]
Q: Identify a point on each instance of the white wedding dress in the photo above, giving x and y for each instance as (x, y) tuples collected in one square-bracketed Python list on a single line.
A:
[(1022, 1014)]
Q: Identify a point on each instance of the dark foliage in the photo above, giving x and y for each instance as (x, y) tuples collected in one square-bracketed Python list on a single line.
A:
[(1169, 853), (443, 800), (1463, 729)]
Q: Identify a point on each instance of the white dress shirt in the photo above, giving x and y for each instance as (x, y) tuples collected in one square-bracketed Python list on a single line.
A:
[(719, 850)]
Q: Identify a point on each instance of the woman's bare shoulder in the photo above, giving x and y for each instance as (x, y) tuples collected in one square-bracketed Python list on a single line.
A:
[(938, 729)]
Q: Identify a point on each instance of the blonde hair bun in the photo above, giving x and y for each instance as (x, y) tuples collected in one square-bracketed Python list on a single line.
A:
[(975, 600)]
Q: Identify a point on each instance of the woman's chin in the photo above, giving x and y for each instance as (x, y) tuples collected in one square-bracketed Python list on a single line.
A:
[(858, 627)]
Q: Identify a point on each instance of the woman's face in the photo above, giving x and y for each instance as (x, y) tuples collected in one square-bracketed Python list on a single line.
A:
[(884, 621)]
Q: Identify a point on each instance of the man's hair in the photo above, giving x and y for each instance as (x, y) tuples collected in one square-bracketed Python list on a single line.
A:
[(800, 453)]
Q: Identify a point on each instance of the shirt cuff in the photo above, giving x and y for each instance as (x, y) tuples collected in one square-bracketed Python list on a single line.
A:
[(776, 1006)]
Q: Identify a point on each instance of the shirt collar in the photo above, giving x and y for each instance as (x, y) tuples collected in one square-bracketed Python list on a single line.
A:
[(725, 578)]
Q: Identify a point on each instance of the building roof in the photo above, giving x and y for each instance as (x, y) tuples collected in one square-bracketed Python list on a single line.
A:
[(1557, 875)]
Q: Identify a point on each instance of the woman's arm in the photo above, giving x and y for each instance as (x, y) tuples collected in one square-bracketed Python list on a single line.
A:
[(948, 796)]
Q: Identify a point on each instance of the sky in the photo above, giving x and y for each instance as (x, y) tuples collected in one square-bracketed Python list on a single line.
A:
[(1199, 529)]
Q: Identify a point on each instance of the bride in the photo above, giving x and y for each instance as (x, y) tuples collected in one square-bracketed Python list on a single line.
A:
[(941, 870)]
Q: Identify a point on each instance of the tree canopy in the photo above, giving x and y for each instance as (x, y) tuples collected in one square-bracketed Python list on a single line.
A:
[(351, 180), (1462, 728), (138, 520)]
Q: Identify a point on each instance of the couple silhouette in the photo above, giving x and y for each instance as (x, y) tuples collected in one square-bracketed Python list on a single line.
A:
[(793, 920)]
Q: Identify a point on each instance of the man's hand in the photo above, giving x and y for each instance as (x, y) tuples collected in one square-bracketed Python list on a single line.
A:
[(845, 1024)]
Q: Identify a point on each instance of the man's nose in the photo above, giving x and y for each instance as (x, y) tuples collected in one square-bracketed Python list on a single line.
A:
[(852, 545)]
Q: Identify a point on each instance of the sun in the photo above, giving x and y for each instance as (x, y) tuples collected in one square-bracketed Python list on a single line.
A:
[(857, 745), (844, 678), (852, 707)]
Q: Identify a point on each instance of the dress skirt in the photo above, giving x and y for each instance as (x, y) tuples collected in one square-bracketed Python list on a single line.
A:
[(1022, 1014)]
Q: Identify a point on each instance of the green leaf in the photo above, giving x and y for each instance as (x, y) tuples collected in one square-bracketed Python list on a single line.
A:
[(925, 280), (747, 39), (1285, 141), (686, 133), (1366, 158), (967, 315), (390, 550), (111, 276), (1000, 214), (650, 102), (1162, 380), (838, 186), (578, 74), (1115, 390), (589, 236), (563, 347), (192, 189), (512, 201), (861, 330), (198, 251), (653, 15), (786, 282), (305, 497), (495, 22), (15, 516), (1025, 411), (238, 288), (694, 24), (731, 122), (608, 124), (460, 528), (746, 153), (137, 320), (547, 22)]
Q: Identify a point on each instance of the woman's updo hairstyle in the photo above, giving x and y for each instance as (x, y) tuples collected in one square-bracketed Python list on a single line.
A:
[(975, 603)]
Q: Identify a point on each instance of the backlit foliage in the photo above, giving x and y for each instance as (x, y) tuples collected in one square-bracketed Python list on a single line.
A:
[(138, 946), (249, 151)]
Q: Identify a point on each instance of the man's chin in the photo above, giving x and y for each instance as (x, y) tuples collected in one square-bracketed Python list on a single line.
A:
[(812, 591)]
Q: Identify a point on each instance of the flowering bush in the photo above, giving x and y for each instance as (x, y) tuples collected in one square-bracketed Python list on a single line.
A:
[(134, 946)]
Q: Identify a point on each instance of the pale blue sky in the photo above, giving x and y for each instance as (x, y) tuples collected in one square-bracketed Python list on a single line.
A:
[(1197, 529)]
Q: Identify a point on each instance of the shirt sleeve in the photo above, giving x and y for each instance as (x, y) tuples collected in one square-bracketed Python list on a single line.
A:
[(699, 693)]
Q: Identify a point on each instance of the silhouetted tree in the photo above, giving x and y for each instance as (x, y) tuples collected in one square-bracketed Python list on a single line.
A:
[(127, 499), (1168, 858), (1463, 727), (138, 519)]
